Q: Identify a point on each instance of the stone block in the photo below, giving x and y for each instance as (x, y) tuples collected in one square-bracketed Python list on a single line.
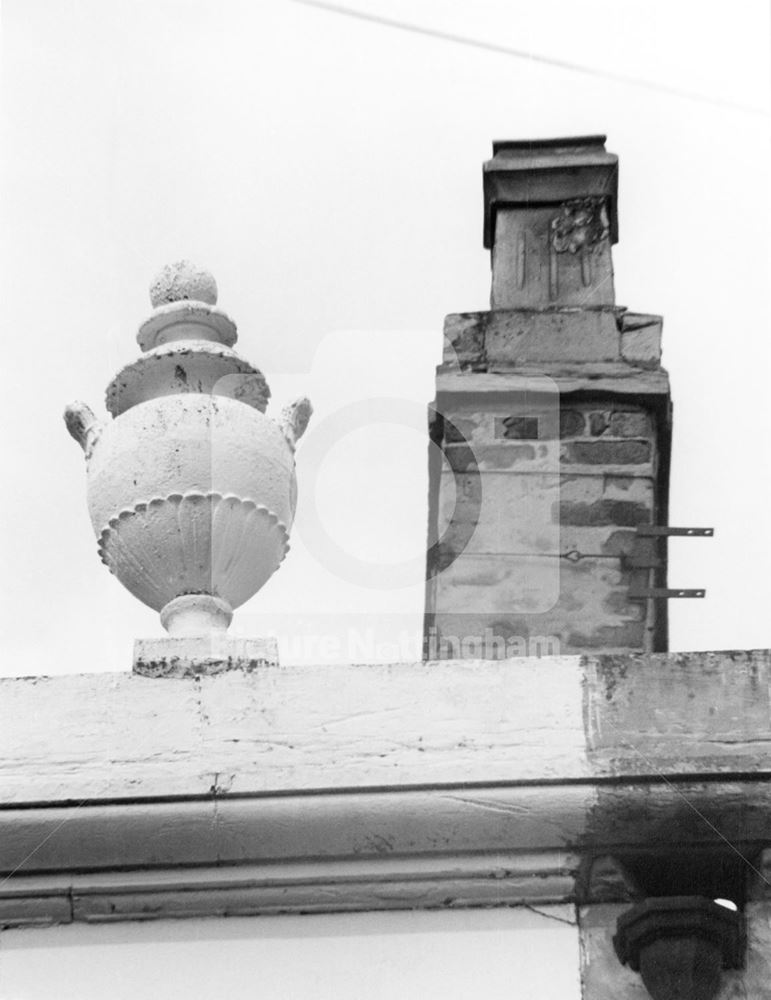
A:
[(193, 656), (582, 488), (559, 596), (540, 427), (577, 621), (630, 424), (519, 456), (512, 337), (461, 458), (488, 426), (601, 512), (513, 514), (641, 339), (619, 543), (522, 513), (458, 430), (467, 425), (629, 488), (572, 423), (517, 428), (464, 338), (606, 453), (630, 635), (487, 584), (533, 269), (507, 456)]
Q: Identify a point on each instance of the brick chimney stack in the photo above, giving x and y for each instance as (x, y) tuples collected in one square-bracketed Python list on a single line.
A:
[(553, 425)]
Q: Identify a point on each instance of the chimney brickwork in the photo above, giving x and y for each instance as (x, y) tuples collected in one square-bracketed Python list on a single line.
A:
[(553, 423)]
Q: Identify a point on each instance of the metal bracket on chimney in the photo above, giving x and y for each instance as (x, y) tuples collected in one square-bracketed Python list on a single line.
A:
[(648, 553)]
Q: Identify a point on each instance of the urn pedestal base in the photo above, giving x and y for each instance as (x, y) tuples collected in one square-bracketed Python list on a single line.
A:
[(201, 655)]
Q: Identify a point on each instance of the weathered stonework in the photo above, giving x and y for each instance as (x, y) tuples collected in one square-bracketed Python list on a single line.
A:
[(550, 220), (604, 978), (542, 484), (573, 493), (202, 655), (429, 784), (561, 339), (191, 488)]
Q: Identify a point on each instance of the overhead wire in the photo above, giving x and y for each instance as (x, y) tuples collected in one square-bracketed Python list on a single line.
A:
[(448, 36)]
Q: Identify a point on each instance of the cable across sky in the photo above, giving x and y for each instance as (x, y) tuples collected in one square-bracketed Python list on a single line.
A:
[(506, 50)]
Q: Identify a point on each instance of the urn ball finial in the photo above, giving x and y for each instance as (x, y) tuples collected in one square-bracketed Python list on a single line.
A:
[(180, 281)]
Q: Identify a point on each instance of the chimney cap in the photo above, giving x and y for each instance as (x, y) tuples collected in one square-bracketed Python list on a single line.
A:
[(571, 143), (549, 171)]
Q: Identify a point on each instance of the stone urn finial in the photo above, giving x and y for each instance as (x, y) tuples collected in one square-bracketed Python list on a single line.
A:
[(191, 488)]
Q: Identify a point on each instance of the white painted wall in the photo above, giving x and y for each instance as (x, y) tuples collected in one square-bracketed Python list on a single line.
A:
[(420, 955)]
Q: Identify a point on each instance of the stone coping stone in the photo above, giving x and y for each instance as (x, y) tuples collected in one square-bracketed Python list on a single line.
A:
[(194, 656), (523, 336)]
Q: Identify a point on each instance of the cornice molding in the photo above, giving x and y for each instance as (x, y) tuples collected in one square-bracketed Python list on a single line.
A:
[(313, 886), (456, 783)]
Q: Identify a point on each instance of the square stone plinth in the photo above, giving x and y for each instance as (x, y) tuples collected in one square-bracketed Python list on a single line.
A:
[(192, 656)]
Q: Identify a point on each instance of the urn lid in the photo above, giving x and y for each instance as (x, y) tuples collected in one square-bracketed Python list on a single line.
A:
[(184, 299), (187, 345)]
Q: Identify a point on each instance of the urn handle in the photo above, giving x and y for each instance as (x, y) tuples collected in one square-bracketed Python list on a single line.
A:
[(294, 420), (83, 426)]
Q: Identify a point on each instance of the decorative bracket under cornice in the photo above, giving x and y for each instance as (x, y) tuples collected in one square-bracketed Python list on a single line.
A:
[(680, 945)]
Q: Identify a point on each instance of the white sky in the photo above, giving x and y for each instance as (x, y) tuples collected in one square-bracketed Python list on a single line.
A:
[(328, 171)]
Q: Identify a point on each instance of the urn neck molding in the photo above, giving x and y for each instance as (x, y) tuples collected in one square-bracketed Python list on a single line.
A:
[(196, 614)]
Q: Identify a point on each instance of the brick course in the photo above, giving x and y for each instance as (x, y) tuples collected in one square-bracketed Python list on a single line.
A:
[(606, 452)]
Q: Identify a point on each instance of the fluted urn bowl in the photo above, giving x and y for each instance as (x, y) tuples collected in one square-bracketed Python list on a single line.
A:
[(192, 494)]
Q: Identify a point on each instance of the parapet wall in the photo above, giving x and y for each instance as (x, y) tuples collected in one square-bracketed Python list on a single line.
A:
[(451, 769)]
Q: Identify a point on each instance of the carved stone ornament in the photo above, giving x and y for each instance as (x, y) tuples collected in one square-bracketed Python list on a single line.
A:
[(581, 225), (191, 488), (680, 945)]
